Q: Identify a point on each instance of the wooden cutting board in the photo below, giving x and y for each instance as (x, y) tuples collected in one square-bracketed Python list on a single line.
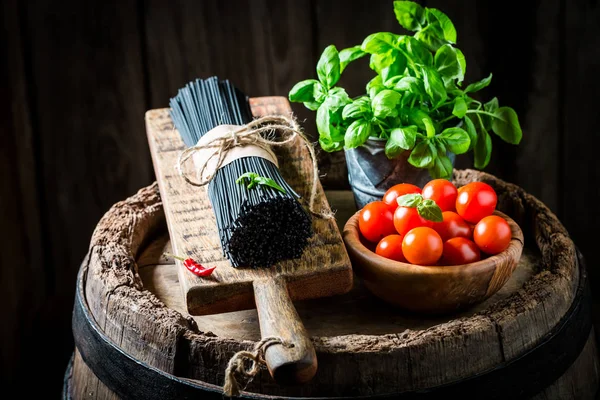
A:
[(323, 270)]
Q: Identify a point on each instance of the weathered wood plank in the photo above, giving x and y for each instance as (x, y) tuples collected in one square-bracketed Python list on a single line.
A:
[(23, 272), (580, 120), (89, 95), (324, 268)]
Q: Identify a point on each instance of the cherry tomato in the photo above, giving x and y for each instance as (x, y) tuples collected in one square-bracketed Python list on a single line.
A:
[(452, 226), (492, 234), (376, 221), (443, 192), (475, 201), (422, 246), (460, 250), (391, 247), (398, 190), (407, 218)]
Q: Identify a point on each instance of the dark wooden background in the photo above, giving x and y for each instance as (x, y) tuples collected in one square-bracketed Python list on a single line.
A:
[(77, 78)]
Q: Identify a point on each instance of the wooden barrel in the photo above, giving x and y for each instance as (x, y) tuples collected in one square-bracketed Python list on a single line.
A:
[(532, 339)]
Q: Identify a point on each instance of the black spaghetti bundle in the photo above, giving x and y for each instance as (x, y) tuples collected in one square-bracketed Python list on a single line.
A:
[(258, 227)]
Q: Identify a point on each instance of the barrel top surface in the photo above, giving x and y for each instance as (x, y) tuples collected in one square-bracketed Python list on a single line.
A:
[(135, 298), (355, 313)]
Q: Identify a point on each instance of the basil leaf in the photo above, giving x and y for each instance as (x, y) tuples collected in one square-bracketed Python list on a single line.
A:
[(462, 62), (448, 32), (401, 139), (471, 131), (492, 105), (360, 107), (434, 86), (320, 92), (263, 181), (350, 54), (395, 69), (312, 105), (477, 86), (442, 167), (328, 67), (430, 39), (410, 84), (506, 125), (384, 104), (247, 175), (375, 86), (410, 15), (416, 117), (410, 200), (457, 140), (447, 64), (483, 149), (418, 50), (429, 210), (422, 156), (379, 42), (460, 107), (336, 99), (303, 91), (357, 133), (329, 134)]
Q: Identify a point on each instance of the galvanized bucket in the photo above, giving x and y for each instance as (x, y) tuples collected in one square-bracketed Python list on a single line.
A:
[(371, 173)]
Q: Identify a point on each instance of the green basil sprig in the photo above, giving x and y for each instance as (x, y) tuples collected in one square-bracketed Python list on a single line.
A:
[(416, 101), (254, 179), (426, 208)]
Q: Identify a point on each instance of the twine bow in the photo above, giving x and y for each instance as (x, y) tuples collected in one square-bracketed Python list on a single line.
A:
[(247, 364), (251, 134)]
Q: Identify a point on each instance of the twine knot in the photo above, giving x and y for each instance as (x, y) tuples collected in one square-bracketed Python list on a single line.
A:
[(247, 364), (251, 133)]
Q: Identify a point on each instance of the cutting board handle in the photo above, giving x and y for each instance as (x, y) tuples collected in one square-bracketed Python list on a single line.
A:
[(278, 318)]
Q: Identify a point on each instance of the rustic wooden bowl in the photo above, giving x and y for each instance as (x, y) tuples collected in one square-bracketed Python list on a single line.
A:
[(431, 289)]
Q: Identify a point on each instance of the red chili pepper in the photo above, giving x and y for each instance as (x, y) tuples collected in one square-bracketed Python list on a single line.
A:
[(193, 266)]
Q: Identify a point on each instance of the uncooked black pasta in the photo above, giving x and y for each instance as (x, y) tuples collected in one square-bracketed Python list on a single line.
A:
[(258, 227)]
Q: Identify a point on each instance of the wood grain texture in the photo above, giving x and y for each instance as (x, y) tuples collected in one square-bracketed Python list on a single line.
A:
[(27, 278), (255, 44), (321, 317), (404, 356), (323, 270), (294, 361), (579, 166), (432, 289), (194, 231), (90, 70), (87, 68)]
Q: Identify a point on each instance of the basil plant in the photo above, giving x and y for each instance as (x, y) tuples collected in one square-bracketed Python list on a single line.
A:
[(417, 101)]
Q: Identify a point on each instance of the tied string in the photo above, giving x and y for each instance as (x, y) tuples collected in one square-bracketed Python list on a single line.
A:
[(251, 134), (247, 364)]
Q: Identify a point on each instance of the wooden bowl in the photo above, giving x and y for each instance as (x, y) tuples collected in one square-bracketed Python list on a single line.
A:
[(431, 289)]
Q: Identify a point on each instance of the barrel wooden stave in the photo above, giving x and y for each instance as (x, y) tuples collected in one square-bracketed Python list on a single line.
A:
[(357, 364)]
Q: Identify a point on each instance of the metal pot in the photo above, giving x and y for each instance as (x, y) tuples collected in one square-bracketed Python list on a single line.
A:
[(371, 173)]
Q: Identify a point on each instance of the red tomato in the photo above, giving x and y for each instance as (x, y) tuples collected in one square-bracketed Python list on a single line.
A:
[(407, 218), (443, 192), (376, 221), (398, 190), (460, 250), (492, 234), (475, 201), (391, 247), (422, 246), (452, 226)]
